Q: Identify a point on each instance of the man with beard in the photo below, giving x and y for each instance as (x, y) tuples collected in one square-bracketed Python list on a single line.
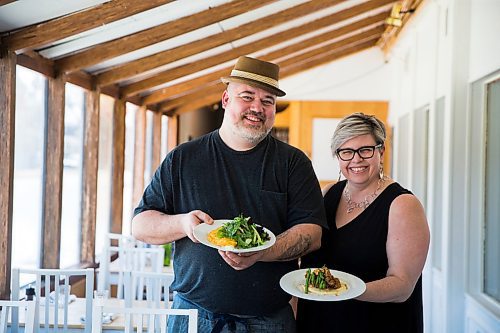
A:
[(238, 169)]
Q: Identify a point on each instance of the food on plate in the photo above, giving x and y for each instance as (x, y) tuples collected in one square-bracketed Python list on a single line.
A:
[(214, 238), (240, 233), (321, 281)]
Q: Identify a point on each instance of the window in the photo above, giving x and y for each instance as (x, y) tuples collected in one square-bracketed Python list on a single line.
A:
[(128, 177), (72, 177), (149, 147), (492, 193), (104, 171), (28, 165), (164, 137), (484, 218)]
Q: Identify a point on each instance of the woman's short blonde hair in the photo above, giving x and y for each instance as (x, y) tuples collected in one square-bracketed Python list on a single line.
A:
[(355, 125)]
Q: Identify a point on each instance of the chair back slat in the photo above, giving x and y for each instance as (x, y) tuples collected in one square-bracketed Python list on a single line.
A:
[(54, 285), (6, 310), (144, 319), (116, 244), (138, 259), (150, 286)]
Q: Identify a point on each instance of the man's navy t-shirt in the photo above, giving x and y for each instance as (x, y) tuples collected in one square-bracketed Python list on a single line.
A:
[(273, 183)]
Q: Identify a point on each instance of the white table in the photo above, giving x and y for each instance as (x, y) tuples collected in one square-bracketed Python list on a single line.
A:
[(76, 310)]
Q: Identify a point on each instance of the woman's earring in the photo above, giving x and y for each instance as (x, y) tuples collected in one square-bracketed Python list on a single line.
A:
[(340, 174), (381, 171)]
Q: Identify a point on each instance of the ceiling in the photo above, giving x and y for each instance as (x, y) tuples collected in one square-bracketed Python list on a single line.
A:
[(170, 55)]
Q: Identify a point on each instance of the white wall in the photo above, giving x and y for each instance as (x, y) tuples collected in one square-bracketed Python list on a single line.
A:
[(444, 48), (485, 38)]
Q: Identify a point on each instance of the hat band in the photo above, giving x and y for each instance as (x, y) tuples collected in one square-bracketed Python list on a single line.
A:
[(256, 77)]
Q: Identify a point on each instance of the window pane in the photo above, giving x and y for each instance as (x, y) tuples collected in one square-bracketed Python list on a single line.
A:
[(492, 209), (104, 171), (28, 164), (164, 137), (129, 167), (149, 146), (72, 176)]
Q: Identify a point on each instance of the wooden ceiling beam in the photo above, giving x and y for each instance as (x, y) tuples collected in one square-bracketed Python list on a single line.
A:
[(376, 31), (217, 88), (156, 34), (182, 87), (327, 57), (206, 79), (45, 33), (194, 101), (196, 66), (5, 2), (141, 65), (391, 32), (34, 61), (207, 100), (289, 67)]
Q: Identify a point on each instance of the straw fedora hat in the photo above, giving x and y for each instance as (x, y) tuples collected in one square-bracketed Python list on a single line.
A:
[(255, 72)]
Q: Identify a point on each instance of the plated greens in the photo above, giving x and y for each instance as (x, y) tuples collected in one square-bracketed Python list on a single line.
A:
[(244, 231)]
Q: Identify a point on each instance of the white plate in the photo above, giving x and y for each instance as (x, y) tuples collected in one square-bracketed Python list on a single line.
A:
[(291, 283), (201, 232)]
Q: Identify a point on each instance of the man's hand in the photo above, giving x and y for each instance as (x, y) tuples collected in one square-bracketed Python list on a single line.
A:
[(190, 220), (240, 261)]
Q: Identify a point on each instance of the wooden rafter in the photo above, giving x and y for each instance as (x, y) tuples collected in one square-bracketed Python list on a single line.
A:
[(292, 65), (133, 68), (391, 32), (297, 47), (69, 25), (156, 34), (165, 93), (201, 91), (7, 134), (193, 67)]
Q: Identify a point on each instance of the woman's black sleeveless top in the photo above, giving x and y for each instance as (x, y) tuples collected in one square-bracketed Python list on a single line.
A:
[(359, 248)]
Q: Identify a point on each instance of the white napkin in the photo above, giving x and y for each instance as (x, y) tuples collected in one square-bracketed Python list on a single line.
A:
[(52, 299), (107, 318)]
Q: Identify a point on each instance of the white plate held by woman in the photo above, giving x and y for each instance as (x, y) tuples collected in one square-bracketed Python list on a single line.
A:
[(293, 283), (202, 230)]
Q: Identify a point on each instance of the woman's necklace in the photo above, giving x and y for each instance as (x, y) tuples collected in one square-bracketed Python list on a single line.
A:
[(351, 205)]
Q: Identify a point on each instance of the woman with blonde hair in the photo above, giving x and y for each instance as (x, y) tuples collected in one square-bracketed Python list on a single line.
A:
[(377, 231)]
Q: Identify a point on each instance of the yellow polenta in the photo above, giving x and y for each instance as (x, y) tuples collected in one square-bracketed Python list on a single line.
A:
[(214, 239)]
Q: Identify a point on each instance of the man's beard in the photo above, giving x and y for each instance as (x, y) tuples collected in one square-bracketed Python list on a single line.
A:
[(253, 134)]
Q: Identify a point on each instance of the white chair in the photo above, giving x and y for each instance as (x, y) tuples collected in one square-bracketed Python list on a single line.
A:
[(55, 281), (8, 306), (150, 286), (108, 263), (146, 259), (142, 319)]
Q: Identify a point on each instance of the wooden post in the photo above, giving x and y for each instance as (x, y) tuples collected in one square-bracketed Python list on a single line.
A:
[(139, 155), (7, 122), (53, 174), (89, 182), (118, 166)]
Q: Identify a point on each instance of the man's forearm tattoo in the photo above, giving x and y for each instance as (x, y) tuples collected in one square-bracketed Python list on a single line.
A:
[(296, 249)]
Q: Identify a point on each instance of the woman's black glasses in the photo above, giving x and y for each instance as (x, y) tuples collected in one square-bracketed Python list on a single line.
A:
[(347, 154)]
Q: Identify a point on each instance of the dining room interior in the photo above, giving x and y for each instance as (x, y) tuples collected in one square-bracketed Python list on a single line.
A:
[(95, 93)]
